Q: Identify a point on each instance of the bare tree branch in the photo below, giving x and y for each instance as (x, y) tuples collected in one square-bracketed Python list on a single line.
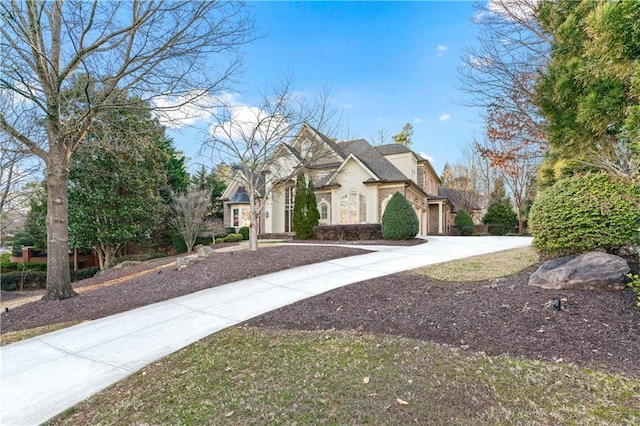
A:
[(151, 50), (253, 137), (187, 214)]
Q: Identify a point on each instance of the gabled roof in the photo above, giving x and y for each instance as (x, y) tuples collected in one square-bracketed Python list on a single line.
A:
[(370, 157), (332, 144), (393, 148)]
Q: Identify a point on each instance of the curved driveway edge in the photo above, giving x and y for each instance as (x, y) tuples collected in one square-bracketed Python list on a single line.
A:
[(45, 375)]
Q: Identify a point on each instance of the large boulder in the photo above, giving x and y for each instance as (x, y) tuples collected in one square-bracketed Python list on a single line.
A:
[(184, 262), (205, 251), (588, 271)]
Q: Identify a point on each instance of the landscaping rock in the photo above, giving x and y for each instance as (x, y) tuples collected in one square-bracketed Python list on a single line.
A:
[(588, 271), (126, 264), (184, 262), (205, 251)]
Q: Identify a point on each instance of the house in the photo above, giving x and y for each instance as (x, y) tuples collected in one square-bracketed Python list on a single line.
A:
[(353, 183), (473, 203)]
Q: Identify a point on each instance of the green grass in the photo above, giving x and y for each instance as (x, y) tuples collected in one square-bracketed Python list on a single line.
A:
[(483, 267), (246, 376)]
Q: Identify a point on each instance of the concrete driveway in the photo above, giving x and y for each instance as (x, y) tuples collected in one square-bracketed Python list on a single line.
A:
[(45, 375)]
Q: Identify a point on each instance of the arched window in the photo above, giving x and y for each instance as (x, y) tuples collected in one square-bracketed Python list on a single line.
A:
[(324, 212), (353, 208)]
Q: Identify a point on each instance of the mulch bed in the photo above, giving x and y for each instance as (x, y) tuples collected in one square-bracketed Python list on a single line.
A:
[(599, 329), (162, 284)]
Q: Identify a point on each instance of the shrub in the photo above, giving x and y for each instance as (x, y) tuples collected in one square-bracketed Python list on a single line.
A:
[(399, 221), (35, 279), (83, 274), (232, 238), (29, 279), (219, 240), (177, 240), (356, 232), (634, 284), (22, 266), (463, 223), (244, 231), (583, 213), (140, 257), (501, 217)]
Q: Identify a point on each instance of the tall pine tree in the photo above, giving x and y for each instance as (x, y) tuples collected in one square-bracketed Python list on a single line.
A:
[(300, 209), (313, 215)]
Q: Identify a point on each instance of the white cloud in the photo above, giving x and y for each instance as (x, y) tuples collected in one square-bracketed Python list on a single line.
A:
[(444, 117), (478, 62), (514, 10), (426, 157), (441, 49), (418, 120), (181, 111), (245, 123)]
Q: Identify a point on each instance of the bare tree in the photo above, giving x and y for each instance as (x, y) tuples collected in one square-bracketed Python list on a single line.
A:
[(381, 137), (504, 65), (17, 169), (484, 171), (254, 137), (511, 45), (168, 53), (515, 147), (187, 214)]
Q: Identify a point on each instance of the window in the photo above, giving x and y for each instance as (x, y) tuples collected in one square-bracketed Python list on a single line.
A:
[(236, 218), (353, 208), (324, 212), (289, 199)]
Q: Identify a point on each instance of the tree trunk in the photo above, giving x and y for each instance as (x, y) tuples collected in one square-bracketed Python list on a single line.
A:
[(253, 223), (521, 224), (100, 253), (58, 269), (109, 254)]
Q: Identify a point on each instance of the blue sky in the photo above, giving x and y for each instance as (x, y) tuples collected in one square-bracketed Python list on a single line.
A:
[(386, 63)]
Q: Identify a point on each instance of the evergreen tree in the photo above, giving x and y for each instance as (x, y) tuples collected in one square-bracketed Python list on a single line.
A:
[(499, 192), (447, 177), (405, 135), (399, 221), (589, 92), (313, 214), (215, 184), (463, 223), (300, 223)]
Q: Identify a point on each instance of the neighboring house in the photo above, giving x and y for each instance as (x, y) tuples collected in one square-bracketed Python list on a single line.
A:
[(474, 204), (353, 183)]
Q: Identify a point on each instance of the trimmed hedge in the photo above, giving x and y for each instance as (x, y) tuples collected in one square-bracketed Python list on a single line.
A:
[(368, 231), (19, 266), (583, 213), (399, 221), (232, 238), (244, 231), (33, 280)]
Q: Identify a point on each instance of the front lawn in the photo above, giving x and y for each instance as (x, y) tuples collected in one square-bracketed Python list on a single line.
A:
[(247, 375)]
